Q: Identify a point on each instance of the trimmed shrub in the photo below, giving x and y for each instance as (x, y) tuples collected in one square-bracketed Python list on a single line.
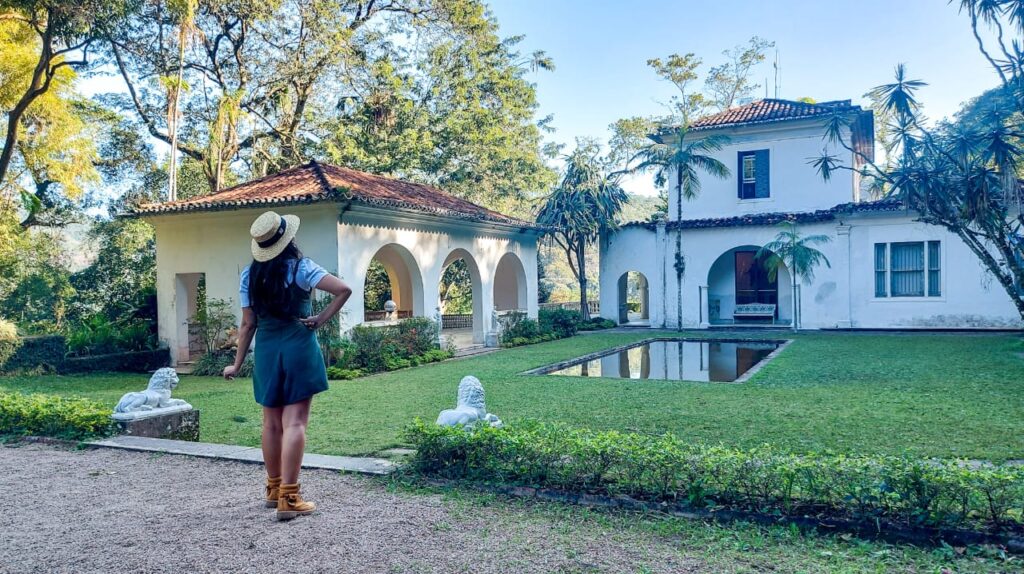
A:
[(596, 324), (45, 353), (338, 374), (212, 364), (48, 415), (130, 362), (390, 347), (901, 490), (561, 322)]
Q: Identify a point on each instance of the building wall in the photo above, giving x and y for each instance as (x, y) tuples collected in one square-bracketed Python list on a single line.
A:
[(794, 184), (633, 249), (217, 244), (841, 296)]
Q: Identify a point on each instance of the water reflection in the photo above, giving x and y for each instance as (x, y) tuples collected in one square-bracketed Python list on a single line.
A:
[(708, 361)]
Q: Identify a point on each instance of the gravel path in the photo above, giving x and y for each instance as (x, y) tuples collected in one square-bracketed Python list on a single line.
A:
[(105, 511)]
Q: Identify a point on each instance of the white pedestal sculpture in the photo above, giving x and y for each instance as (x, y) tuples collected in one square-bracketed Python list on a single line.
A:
[(470, 408)]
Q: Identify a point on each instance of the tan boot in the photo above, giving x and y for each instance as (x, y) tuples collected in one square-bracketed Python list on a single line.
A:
[(290, 503), (273, 491)]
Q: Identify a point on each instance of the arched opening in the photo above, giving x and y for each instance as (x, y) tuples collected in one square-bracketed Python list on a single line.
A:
[(461, 300), (510, 284), (741, 292), (392, 276), (634, 299)]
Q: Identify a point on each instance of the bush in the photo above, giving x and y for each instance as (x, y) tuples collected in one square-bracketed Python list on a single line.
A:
[(516, 325), (45, 353), (48, 415), (212, 364), (390, 347), (596, 324), (9, 341), (338, 374), (130, 362), (664, 468), (98, 335), (561, 322)]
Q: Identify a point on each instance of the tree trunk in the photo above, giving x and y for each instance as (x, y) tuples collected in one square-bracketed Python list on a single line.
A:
[(679, 251), (796, 304), (41, 76), (584, 304)]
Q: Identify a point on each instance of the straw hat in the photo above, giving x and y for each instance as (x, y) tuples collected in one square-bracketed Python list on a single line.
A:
[(271, 233)]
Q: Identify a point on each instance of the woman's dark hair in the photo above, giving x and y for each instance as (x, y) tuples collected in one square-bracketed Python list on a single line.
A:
[(269, 282)]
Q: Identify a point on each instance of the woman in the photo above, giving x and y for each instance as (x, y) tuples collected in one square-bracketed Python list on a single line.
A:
[(275, 294)]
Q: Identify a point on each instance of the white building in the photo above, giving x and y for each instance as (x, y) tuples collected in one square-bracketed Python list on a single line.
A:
[(349, 219), (887, 270)]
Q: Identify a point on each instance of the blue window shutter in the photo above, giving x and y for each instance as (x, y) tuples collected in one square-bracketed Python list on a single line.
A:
[(739, 174), (762, 173)]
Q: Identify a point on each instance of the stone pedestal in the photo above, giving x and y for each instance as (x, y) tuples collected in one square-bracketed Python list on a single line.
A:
[(180, 425)]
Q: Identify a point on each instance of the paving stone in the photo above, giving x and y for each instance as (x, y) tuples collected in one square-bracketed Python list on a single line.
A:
[(244, 454)]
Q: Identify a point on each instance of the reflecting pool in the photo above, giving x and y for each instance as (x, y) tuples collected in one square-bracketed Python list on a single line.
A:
[(709, 360)]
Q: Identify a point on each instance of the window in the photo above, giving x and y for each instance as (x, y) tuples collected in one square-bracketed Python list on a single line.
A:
[(908, 269), (753, 174)]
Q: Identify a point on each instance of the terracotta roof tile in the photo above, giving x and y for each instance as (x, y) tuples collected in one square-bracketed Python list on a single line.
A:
[(315, 182), (770, 110), (772, 218)]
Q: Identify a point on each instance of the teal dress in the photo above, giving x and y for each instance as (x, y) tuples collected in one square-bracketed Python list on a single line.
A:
[(288, 365)]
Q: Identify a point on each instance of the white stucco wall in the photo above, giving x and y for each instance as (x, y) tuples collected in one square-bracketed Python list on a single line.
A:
[(794, 184), (632, 249), (217, 245), (841, 296)]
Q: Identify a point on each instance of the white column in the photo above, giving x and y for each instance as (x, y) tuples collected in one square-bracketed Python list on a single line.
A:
[(843, 287), (705, 321)]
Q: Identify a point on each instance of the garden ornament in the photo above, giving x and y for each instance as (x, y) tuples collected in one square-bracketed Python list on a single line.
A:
[(470, 408), (155, 400)]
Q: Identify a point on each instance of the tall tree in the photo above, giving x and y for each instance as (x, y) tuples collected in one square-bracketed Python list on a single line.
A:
[(795, 252), (679, 158), (585, 204), (65, 32), (730, 82), (964, 175)]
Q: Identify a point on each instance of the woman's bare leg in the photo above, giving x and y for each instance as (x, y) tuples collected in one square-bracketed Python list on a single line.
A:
[(293, 442), (272, 431)]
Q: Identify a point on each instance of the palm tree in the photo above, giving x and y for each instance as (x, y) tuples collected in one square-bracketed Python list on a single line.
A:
[(682, 159), (791, 250), (586, 204), (185, 11)]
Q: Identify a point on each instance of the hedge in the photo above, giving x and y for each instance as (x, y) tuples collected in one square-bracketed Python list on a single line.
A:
[(49, 415), (45, 353), (899, 490), (130, 362)]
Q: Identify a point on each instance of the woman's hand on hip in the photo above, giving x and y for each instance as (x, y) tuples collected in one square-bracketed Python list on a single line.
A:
[(312, 323)]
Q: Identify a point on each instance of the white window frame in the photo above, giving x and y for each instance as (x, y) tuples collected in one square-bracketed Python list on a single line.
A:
[(888, 296)]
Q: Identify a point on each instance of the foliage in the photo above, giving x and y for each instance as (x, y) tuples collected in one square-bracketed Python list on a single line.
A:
[(35, 354), (964, 175), (339, 374), (665, 468), (120, 282), (9, 341), (560, 322), (729, 83), (586, 204), (48, 415), (391, 347), (596, 324), (457, 289), (377, 288), (212, 364), (34, 289), (790, 250), (517, 325), (889, 395), (98, 335), (328, 335), (417, 88), (215, 318), (129, 361)]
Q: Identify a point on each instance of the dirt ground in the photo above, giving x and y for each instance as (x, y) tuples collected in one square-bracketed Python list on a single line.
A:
[(107, 511)]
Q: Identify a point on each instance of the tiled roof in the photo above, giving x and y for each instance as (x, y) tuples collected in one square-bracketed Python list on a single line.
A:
[(770, 110), (773, 218), (316, 182)]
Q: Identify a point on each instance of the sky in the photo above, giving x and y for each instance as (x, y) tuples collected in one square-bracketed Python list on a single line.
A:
[(828, 50)]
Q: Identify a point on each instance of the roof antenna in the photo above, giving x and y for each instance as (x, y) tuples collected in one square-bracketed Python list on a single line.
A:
[(776, 66)]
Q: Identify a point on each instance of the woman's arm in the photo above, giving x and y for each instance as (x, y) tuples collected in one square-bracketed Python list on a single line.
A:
[(245, 333), (341, 292)]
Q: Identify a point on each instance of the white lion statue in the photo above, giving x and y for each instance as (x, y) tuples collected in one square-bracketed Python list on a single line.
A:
[(157, 396), (470, 408)]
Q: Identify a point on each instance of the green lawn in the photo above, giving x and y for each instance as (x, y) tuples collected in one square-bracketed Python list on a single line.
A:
[(946, 395)]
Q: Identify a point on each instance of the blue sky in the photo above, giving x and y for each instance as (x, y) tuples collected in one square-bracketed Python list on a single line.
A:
[(827, 50)]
